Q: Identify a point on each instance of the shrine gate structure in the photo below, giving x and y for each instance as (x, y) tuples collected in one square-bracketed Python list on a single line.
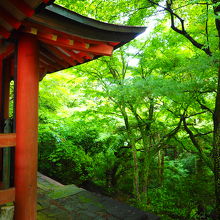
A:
[(38, 37)]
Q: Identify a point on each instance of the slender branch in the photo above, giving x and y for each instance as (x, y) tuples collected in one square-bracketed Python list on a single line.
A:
[(174, 113), (204, 106), (201, 92), (182, 31), (198, 113), (129, 147), (167, 137), (124, 65), (206, 25), (196, 144), (137, 116), (201, 3), (184, 147), (202, 134)]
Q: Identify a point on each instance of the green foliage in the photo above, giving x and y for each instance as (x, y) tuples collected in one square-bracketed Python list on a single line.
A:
[(60, 156), (96, 117), (184, 191)]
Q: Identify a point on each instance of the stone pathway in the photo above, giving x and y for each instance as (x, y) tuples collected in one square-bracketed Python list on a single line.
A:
[(69, 202)]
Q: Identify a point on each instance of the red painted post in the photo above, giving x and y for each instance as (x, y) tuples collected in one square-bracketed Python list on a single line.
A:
[(1, 118), (26, 128)]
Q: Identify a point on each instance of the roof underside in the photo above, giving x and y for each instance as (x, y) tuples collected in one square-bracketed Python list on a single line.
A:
[(66, 38)]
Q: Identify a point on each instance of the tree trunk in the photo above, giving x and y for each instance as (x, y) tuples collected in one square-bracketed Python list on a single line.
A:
[(147, 142), (134, 155), (147, 162), (216, 146), (216, 121), (136, 172), (160, 166), (146, 176)]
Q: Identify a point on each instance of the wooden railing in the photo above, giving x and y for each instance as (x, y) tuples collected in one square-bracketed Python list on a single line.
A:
[(7, 195), (7, 140)]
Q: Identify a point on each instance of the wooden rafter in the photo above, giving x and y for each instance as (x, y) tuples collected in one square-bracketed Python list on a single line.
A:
[(113, 43), (9, 18), (23, 7), (72, 55), (58, 53), (56, 59), (47, 66), (49, 61), (85, 55)]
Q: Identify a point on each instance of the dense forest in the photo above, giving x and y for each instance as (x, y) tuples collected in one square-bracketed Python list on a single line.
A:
[(142, 126)]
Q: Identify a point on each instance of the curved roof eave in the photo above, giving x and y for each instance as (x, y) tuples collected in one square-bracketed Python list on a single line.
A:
[(67, 21)]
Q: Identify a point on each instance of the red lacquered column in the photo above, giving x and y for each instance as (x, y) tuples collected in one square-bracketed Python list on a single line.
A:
[(26, 128), (1, 119)]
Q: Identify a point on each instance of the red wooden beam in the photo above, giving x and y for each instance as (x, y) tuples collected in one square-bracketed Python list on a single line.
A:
[(73, 55), (61, 39), (85, 55), (7, 195), (23, 7), (10, 19), (26, 128), (45, 29), (7, 140), (113, 43), (102, 49)]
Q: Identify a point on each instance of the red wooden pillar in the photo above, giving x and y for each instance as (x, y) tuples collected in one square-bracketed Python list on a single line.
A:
[(1, 118), (26, 128)]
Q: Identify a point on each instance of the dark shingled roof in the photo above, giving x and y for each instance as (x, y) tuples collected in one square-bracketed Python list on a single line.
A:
[(70, 22)]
